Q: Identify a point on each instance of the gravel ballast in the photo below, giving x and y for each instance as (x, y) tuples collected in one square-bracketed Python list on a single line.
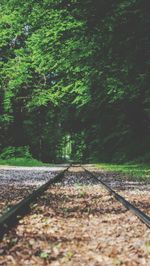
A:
[(77, 222)]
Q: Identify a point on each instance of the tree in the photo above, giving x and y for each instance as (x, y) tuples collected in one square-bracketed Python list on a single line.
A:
[(77, 68)]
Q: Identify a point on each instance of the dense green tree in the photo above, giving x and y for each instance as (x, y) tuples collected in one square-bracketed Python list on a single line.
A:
[(75, 68)]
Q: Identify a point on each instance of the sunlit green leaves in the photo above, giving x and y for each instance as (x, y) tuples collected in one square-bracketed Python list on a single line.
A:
[(86, 59)]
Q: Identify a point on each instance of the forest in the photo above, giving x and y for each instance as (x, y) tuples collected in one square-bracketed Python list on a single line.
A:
[(74, 80)]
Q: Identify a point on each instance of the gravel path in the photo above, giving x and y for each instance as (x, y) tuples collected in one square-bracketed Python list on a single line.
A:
[(27, 176)]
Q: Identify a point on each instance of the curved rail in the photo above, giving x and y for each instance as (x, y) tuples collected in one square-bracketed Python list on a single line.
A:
[(10, 218), (140, 214)]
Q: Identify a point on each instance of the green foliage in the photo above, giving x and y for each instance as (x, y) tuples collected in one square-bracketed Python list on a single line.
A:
[(22, 162), (115, 89), (11, 152), (135, 171), (79, 68)]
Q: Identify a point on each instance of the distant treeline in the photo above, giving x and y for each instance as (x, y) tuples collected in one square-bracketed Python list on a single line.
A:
[(77, 71)]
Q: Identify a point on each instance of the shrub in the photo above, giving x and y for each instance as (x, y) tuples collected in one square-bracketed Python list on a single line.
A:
[(11, 152)]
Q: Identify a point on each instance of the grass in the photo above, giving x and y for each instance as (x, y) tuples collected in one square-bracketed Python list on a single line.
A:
[(136, 171), (23, 162)]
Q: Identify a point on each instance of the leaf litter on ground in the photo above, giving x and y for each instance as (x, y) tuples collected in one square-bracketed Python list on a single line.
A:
[(79, 225)]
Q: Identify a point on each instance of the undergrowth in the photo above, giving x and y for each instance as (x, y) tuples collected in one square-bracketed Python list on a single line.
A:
[(133, 170), (22, 162)]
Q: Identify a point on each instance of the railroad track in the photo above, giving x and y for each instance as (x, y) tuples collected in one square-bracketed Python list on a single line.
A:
[(10, 218), (140, 214)]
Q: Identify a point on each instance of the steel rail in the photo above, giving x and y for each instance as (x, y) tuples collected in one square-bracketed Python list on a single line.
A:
[(11, 217), (140, 214)]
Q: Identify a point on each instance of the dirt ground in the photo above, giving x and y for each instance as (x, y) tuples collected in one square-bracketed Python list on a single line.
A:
[(77, 222)]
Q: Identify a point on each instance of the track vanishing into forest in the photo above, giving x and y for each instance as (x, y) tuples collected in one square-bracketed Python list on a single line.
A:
[(9, 219), (74, 174)]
